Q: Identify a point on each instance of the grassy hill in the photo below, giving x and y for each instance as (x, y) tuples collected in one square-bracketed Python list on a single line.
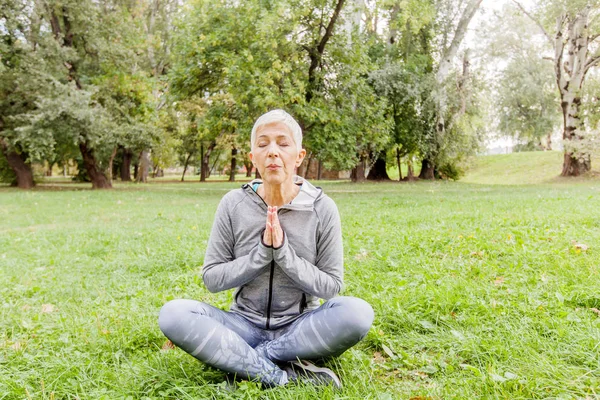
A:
[(521, 169)]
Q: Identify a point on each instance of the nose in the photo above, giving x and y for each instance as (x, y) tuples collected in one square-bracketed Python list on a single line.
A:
[(273, 150)]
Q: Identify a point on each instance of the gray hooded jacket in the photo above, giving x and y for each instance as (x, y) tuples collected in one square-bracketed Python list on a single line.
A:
[(275, 285)]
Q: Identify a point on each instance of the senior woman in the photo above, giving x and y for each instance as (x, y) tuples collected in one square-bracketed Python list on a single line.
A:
[(278, 241)]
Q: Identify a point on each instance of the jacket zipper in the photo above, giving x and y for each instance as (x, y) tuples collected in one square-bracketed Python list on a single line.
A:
[(269, 303), (270, 295)]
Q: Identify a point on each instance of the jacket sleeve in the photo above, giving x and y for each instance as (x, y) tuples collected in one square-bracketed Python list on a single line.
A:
[(221, 270), (325, 279)]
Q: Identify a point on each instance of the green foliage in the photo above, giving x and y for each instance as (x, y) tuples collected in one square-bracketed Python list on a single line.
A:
[(527, 106), (72, 76), (270, 71), (6, 174)]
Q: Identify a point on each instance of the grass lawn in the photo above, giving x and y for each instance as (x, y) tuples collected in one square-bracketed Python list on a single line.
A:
[(479, 291), (523, 168)]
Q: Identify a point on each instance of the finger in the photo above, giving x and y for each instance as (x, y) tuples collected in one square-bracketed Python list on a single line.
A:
[(277, 237), (268, 235)]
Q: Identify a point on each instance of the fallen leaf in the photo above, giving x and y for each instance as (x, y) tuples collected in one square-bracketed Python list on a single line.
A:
[(48, 308), (595, 310), (168, 345), (579, 246), (361, 255), (26, 307), (378, 358), (499, 281), (16, 346), (388, 351)]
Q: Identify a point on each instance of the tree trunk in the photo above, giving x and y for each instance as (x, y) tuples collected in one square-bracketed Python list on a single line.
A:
[(109, 170), (126, 166), (410, 173), (249, 165), (399, 163), (358, 172), (573, 166), (308, 163), (144, 166), (427, 170), (570, 74), (379, 170), (18, 164), (205, 167), (234, 152), (319, 170), (136, 169), (49, 170), (185, 166), (99, 180)]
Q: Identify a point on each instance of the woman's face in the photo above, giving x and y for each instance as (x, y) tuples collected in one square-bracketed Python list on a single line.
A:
[(275, 154)]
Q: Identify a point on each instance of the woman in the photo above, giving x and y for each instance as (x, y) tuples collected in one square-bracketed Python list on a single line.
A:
[(279, 242)]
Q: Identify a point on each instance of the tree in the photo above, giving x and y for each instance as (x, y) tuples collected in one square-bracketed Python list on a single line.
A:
[(522, 81), (575, 36), (404, 78), (294, 56), (79, 68), (451, 32), (21, 79)]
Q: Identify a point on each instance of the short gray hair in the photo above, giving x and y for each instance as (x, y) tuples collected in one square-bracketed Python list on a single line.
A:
[(275, 116)]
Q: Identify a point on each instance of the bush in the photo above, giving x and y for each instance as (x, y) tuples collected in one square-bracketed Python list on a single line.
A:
[(6, 174), (450, 171)]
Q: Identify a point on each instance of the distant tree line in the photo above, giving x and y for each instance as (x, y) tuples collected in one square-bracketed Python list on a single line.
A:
[(117, 86)]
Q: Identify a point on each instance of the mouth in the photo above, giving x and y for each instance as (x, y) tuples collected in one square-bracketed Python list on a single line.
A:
[(273, 167)]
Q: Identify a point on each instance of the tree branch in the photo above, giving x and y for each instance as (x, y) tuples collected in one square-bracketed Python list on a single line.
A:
[(329, 30), (534, 20), (592, 62)]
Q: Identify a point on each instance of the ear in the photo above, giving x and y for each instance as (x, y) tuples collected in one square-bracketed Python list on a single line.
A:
[(251, 156), (300, 158)]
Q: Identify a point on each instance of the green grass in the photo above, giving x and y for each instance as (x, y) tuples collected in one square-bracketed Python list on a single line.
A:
[(520, 168), (479, 291)]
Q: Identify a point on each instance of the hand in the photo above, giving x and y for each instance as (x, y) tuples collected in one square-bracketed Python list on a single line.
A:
[(273, 235)]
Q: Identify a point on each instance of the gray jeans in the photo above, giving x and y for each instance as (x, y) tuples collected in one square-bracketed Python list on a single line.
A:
[(229, 342)]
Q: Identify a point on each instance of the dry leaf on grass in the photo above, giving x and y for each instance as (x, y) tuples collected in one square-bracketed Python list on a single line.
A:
[(48, 308), (579, 246), (378, 358), (168, 345), (595, 310), (363, 254), (499, 281)]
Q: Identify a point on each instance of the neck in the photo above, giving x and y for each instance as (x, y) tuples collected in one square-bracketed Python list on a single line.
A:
[(278, 195)]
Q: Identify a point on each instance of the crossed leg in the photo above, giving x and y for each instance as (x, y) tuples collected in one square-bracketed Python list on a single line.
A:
[(227, 341)]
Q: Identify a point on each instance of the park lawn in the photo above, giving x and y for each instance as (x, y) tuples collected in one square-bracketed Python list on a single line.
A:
[(479, 291)]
